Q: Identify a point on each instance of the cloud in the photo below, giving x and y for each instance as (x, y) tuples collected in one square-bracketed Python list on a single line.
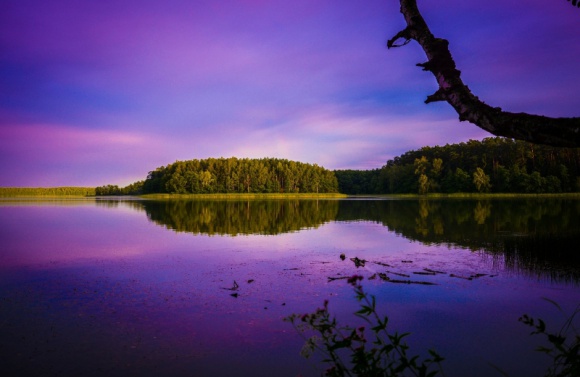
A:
[(336, 138), (102, 92), (53, 155)]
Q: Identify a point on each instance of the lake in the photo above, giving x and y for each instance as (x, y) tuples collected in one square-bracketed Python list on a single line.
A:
[(93, 287)]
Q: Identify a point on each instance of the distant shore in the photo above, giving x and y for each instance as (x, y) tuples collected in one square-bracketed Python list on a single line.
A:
[(89, 192), (246, 196), (63, 191)]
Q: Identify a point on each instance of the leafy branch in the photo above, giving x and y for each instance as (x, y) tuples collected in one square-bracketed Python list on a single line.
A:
[(385, 353), (564, 346)]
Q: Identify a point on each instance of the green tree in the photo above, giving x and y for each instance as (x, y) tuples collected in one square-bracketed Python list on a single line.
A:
[(458, 181), (481, 180), (502, 181), (435, 174), (206, 179), (423, 184), (421, 165)]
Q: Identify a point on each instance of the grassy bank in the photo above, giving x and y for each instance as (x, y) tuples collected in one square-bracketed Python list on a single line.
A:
[(17, 192), (245, 196), (461, 195), (45, 192)]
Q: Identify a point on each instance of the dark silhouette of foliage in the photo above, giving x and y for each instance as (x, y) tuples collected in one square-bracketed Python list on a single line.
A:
[(352, 351), (564, 345), (355, 182), (349, 351)]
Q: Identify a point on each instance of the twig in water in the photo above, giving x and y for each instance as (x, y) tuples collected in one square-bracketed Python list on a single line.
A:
[(435, 271), (383, 264), (460, 277), (330, 278), (233, 288), (411, 282), (398, 274)]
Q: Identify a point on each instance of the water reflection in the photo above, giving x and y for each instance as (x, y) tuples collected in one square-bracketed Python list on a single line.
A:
[(104, 289), (527, 235), (240, 217), (533, 235)]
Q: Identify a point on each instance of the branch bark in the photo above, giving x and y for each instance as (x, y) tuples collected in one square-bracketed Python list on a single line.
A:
[(561, 132)]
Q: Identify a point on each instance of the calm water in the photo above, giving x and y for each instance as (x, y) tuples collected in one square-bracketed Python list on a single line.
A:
[(100, 287)]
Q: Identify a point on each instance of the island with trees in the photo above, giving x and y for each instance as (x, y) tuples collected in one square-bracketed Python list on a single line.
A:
[(492, 165), (232, 175)]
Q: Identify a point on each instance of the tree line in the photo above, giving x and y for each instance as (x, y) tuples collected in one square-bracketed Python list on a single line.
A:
[(46, 191), (496, 165), (135, 188), (232, 175)]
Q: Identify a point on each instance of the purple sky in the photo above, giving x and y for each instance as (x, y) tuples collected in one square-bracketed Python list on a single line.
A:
[(96, 92)]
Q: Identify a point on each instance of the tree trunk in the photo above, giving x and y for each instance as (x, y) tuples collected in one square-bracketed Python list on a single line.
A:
[(561, 132)]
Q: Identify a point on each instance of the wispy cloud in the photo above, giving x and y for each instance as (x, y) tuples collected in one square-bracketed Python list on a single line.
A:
[(96, 92)]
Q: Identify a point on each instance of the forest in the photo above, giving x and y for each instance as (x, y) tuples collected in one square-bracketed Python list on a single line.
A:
[(232, 175), (493, 165)]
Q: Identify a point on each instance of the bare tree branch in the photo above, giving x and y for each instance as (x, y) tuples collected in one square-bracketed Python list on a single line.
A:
[(563, 132)]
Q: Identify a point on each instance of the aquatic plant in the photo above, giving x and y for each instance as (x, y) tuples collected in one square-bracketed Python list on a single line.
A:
[(349, 352), (564, 345)]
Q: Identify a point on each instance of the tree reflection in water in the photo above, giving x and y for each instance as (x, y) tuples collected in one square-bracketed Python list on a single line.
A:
[(533, 236)]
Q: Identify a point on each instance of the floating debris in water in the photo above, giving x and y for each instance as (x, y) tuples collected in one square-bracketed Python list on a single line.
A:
[(398, 274), (460, 277), (380, 275), (250, 281), (382, 264), (383, 276), (342, 256), (411, 282), (330, 278), (235, 295), (477, 276), (424, 273), (358, 262), (434, 271), (406, 261), (234, 287)]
